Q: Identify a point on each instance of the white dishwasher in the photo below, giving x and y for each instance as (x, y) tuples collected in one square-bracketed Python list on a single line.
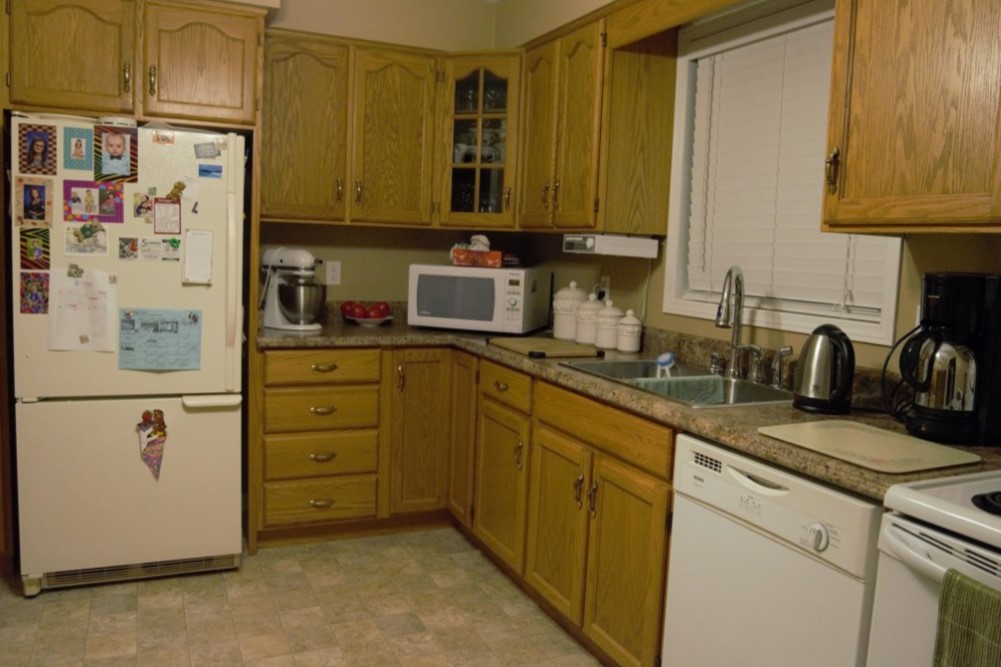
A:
[(766, 567)]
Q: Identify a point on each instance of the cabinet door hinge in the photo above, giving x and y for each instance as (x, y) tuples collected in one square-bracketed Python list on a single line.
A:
[(6, 7), (472, 512), (596, 201), (604, 39), (7, 79)]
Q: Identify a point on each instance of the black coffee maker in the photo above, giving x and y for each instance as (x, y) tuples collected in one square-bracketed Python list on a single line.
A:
[(953, 361)]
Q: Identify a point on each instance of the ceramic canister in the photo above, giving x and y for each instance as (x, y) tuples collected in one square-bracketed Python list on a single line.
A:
[(565, 311), (628, 334), (587, 312), (606, 326)]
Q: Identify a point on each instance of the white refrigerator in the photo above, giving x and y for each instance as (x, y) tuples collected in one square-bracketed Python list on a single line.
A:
[(126, 270)]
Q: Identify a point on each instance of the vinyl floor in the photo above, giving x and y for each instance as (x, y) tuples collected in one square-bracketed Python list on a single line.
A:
[(414, 598)]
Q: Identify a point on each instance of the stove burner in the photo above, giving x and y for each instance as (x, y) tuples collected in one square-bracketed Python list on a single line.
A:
[(988, 502)]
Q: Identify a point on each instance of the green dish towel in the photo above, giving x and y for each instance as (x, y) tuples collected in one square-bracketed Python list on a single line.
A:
[(969, 623)]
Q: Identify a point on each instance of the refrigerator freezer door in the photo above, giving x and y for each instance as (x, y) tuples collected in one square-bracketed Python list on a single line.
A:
[(88, 499), (210, 167)]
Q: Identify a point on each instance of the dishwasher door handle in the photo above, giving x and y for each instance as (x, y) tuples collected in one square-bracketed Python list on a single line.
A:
[(757, 483), (906, 555)]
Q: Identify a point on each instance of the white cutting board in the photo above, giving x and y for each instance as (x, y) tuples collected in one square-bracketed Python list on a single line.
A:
[(868, 446)]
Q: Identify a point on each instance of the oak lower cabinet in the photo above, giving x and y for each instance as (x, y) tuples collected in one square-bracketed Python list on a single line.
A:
[(914, 123), (321, 427), (181, 60), (501, 478), (305, 127), (462, 436), (597, 526), (419, 444)]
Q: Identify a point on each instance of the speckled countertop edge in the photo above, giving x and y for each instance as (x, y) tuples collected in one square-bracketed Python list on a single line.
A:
[(733, 427)]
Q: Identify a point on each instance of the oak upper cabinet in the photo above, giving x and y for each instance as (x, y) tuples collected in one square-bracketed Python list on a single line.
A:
[(201, 62), (305, 127), (914, 136), (597, 526), (501, 478), (393, 138), (420, 439), (48, 39), (462, 436), (559, 173), (479, 140)]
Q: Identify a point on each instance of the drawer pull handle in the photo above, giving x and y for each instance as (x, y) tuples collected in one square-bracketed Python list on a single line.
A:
[(501, 386), (321, 504), (152, 80), (127, 77), (323, 411), (324, 457), (517, 454), (831, 165), (592, 496), (323, 368)]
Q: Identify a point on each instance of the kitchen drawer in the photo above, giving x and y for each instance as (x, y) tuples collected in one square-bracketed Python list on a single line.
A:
[(635, 440), (320, 500), (321, 366), (292, 456), (506, 385), (321, 408)]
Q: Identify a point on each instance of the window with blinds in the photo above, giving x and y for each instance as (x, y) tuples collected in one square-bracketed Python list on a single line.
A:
[(748, 182)]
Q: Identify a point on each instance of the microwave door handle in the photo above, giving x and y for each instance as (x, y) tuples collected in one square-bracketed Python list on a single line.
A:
[(903, 552)]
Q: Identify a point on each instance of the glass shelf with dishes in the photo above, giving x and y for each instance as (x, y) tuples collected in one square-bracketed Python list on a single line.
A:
[(476, 187)]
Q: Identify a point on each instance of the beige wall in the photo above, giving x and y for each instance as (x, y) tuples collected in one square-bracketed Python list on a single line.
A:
[(449, 25), (519, 21)]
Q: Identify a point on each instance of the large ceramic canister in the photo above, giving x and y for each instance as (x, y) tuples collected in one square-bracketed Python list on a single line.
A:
[(628, 333), (587, 313), (606, 326), (565, 311)]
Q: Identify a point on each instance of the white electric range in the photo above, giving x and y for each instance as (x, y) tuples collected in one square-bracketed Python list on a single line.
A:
[(937, 524)]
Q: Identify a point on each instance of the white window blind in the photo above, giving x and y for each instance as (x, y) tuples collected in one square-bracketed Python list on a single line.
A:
[(752, 178)]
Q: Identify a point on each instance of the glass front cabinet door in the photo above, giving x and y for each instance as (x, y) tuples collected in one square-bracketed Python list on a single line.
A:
[(479, 142)]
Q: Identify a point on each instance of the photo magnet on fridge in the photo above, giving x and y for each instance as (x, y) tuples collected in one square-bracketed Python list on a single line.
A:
[(33, 201), (37, 149), (116, 154)]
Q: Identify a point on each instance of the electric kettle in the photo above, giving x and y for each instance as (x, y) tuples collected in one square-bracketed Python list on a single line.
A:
[(824, 374)]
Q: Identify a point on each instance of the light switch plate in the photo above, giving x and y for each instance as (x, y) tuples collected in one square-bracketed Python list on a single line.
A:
[(333, 273)]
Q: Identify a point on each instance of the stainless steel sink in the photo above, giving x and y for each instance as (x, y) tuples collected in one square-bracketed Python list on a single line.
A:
[(687, 384), (627, 369), (713, 391)]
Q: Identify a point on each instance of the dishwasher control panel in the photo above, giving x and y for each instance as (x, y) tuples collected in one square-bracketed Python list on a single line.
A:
[(832, 526)]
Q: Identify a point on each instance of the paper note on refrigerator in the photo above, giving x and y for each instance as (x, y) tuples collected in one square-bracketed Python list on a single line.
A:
[(151, 339), (198, 257), (82, 311)]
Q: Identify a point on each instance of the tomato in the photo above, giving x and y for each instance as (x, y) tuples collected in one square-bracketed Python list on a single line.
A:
[(347, 308), (359, 310), (377, 311)]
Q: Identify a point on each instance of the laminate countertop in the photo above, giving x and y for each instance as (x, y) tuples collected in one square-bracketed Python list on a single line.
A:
[(734, 427)]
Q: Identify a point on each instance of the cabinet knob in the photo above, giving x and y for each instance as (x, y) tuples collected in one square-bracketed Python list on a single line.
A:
[(321, 504), (127, 77), (152, 80), (323, 368), (323, 457), (323, 411), (500, 386), (831, 166)]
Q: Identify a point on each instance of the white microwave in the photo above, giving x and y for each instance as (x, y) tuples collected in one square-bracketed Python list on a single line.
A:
[(504, 300)]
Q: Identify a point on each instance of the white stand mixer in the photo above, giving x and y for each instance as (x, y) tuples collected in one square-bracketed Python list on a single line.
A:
[(293, 269)]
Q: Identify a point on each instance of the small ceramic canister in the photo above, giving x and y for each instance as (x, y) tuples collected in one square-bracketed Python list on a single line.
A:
[(607, 322), (587, 311), (628, 333), (565, 311)]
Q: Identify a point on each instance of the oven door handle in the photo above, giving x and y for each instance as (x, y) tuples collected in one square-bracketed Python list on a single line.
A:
[(906, 555)]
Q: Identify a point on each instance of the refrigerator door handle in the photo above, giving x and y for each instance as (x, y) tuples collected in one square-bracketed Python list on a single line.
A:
[(233, 270), (209, 401)]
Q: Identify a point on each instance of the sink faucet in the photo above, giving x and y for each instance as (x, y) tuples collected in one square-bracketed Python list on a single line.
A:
[(728, 314)]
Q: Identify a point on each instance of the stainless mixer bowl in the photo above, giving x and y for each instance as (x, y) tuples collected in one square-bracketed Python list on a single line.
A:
[(301, 302)]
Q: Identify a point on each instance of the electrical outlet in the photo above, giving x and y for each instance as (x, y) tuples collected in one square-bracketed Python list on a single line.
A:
[(333, 273), (604, 286)]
